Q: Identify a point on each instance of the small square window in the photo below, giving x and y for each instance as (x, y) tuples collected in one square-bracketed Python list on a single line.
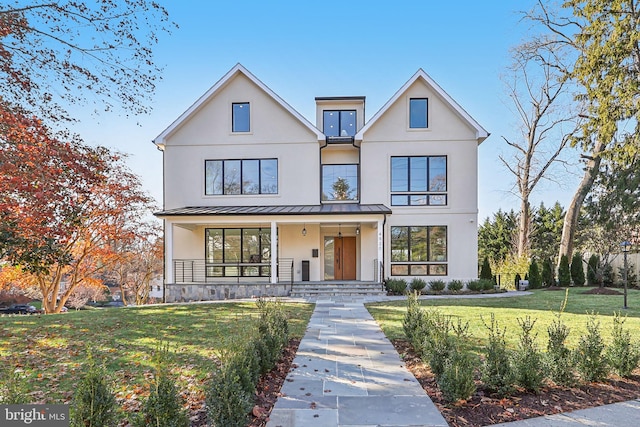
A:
[(241, 117), (418, 111)]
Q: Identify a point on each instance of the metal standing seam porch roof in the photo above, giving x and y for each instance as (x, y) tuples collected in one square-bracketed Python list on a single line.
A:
[(328, 209)]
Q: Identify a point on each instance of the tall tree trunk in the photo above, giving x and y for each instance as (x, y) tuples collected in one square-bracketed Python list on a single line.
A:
[(524, 227), (591, 170)]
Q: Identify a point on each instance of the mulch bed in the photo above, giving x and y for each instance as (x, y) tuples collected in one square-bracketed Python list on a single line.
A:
[(602, 291), (482, 409)]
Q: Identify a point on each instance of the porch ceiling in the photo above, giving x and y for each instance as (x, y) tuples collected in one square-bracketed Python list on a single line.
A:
[(326, 209)]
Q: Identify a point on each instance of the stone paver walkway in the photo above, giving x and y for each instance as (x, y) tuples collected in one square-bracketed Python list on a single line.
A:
[(348, 374)]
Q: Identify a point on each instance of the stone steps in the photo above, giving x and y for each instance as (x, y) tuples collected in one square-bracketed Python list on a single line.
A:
[(336, 289)]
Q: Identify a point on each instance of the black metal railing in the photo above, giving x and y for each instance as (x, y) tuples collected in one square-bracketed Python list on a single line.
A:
[(202, 271)]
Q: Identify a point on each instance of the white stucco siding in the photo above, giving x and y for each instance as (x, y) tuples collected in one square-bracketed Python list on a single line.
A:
[(206, 135), (443, 122)]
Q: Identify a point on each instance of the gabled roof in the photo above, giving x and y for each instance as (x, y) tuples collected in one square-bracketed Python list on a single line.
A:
[(213, 91), (481, 133)]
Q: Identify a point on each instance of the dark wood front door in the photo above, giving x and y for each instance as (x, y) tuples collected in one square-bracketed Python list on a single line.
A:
[(344, 258)]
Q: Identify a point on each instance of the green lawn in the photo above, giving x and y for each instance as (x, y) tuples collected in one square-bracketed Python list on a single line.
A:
[(541, 305), (52, 348)]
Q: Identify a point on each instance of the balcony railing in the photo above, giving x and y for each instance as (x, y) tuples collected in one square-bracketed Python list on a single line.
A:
[(201, 271)]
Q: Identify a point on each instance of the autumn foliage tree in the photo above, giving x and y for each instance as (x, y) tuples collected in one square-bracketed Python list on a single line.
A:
[(64, 206)]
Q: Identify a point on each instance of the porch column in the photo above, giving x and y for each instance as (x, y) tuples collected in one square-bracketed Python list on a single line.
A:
[(168, 252), (274, 252), (380, 250)]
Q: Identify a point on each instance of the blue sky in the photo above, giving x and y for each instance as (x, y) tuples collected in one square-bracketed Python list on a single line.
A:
[(305, 49)]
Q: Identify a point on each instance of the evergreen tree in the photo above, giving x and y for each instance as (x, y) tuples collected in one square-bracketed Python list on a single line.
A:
[(593, 271), (535, 280), (548, 274), (577, 271), (564, 273), (546, 231), (485, 271)]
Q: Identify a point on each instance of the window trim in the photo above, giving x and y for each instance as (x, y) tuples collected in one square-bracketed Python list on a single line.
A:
[(427, 194), (427, 118), (233, 122), (241, 193), (428, 265)]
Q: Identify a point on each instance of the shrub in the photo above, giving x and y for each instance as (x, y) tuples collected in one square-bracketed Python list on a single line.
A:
[(437, 285), (608, 275), (456, 381), (559, 362), (622, 355), (228, 403), (485, 270), (496, 370), (589, 357), (528, 363), (564, 273), (455, 285), (94, 405), (417, 284), (535, 280), (632, 278), (593, 267), (577, 271), (487, 285), (273, 330), (396, 286), (163, 407), (413, 320), (548, 274), (437, 345), (474, 285)]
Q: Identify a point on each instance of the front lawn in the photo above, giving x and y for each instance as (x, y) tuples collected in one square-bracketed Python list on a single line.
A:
[(542, 306), (50, 349)]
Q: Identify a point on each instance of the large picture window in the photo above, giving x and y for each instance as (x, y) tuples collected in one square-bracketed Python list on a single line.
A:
[(252, 176), (419, 251), (419, 181), (339, 183), (234, 252)]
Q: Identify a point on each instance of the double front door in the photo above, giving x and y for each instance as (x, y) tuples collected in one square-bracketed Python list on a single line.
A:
[(340, 258)]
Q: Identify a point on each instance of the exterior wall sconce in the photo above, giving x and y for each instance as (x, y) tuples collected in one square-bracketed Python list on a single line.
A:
[(339, 230), (357, 230), (304, 230)]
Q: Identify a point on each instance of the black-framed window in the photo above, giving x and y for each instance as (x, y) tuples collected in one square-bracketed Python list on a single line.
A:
[(233, 252), (419, 251), (419, 181), (339, 122), (340, 183), (240, 117), (418, 113), (247, 176)]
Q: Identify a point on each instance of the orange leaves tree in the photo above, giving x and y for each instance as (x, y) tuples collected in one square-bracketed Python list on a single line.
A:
[(64, 206), (55, 53)]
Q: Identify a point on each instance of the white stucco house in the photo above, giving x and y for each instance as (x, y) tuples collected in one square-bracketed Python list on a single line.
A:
[(257, 198)]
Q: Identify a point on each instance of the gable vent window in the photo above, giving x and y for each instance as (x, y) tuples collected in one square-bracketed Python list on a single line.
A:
[(240, 112), (418, 113), (339, 122)]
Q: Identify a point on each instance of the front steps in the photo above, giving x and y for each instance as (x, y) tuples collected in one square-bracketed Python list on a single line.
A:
[(329, 289)]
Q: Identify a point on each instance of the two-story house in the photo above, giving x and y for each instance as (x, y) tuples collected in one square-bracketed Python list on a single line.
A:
[(256, 197)]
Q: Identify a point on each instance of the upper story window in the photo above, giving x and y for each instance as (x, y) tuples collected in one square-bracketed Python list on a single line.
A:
[(339, 183), (339, 122), (251, 176), (419, 181), (418, 113), (241, 115)]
